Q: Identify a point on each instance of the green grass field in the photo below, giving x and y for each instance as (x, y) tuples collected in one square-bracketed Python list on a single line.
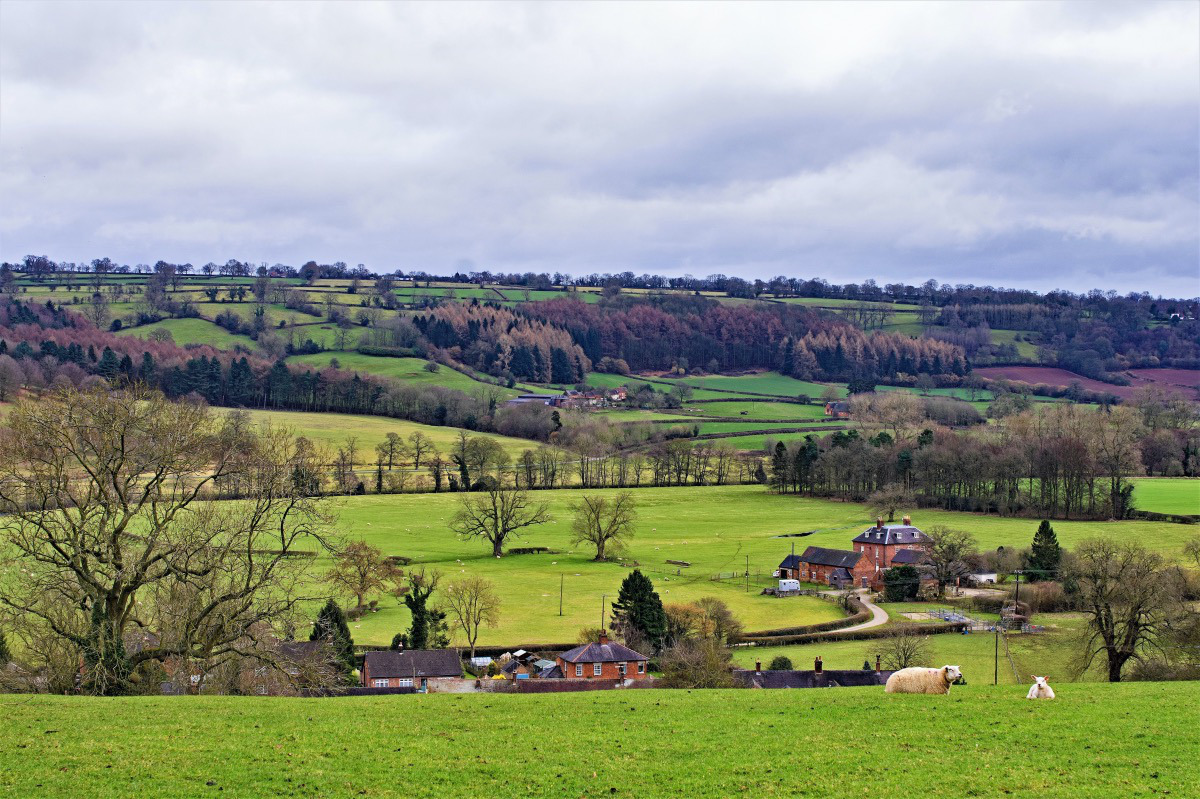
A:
[(1045, 654), (1093, 742), (1167, 494), (410, 371), (334, 428), (193, 331), (759, 409), (718, 529)]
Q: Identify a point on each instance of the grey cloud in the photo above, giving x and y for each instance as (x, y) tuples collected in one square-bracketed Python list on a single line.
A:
[(1047, 145)]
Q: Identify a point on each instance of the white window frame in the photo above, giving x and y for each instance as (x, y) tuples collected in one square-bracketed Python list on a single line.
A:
[(597, 669), (622, 668), (578, 669), (379, 683), (404, 682), (641, 667)]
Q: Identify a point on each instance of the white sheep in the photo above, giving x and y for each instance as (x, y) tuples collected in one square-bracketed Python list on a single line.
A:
[(1040, 689), (918, 680)]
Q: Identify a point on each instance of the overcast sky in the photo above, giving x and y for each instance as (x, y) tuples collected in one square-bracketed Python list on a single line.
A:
[(1011, 144)]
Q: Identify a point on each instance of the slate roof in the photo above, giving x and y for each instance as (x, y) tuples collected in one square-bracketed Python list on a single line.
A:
[(908, 556), (414, 663), (835, 407), (602, 653), (809, 679), (891, 534), (790, 562), (821, 556)]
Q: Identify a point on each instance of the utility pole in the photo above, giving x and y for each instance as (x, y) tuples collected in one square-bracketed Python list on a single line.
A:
[(747, 574), (996, 671), (603, 600), (561, 578)]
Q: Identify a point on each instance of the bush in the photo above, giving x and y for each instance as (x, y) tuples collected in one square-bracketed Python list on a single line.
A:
[(1046, 597), (781, 663)]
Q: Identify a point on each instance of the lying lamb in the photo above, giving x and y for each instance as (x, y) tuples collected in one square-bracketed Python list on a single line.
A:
[(1040, 689), (917, 680)]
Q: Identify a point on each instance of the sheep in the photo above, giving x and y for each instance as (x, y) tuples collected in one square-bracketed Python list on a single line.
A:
[(1040, 689), (917, 680)]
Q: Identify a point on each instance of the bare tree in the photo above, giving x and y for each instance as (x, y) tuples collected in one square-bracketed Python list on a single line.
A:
[(420, 445), (106, 533), (1130, 597), (472, 602), (905, 647), (360, 569), (890, 499), (948, 551), (392, 448), (495, 515), (605, 522)]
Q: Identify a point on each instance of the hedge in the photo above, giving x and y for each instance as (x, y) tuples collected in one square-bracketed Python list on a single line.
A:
[(936, 628)]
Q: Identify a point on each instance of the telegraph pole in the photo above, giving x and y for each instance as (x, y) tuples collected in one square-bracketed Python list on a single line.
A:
[(996, 672), (747, 574), (561, 578), (603, 600)]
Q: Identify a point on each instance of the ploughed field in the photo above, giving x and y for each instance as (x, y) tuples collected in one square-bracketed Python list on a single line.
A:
[(1095, 740), (717, 529)]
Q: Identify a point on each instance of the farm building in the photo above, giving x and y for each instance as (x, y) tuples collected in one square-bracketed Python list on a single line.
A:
[(422, 669), (603, 660), (886, 544), (838, 410), (827, 566), (875, 550)]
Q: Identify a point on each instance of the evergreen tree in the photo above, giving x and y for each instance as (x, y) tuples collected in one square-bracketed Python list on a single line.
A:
[(1045, 555), (900, 584), (421, 631), (331, 626), (109, 364), (638, 611)]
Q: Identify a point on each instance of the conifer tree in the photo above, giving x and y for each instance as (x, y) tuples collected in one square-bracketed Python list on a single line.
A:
[(331, 626), (638, 611), (1045, 557)]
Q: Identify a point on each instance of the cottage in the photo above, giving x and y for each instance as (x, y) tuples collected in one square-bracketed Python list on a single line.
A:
[(421, 669), (837, 410), (828, 566), (604, 661)]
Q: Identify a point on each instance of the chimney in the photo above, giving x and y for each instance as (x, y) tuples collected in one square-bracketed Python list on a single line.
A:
[(603, 637), (878, 522), (908, 521), (877, 669), (818, 666), (758, 666)]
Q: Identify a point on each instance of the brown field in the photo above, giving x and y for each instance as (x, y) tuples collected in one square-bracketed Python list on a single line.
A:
[(1053, 376), (1186, 380)]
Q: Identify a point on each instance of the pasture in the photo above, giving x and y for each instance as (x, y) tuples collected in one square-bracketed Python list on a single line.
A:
[(1094, 742), (410, 371), (1167, 494), (194, 331), (718, 529)]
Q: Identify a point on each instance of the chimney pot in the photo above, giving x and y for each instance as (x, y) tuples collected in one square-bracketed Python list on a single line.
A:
[(879, 523), (877, 669), (603, 637), (818, 667), (758, 665), (908, 521)]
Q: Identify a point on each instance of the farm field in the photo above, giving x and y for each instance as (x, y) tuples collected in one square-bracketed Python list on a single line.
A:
[(410, 371), (718, 529), (1167, 494), (759, 409), (1052, 376), (333, 429), (193, 331), (1096, 741), (1047, 653), (1025, 349)]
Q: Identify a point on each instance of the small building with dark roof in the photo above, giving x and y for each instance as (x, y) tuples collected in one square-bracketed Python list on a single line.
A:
[(413, 668), (604, 660), (838, 410), (758, 677), (837, 567)]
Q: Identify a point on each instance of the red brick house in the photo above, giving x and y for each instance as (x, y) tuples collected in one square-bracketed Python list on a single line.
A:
[(602, 661), (413, 668), (885, 545), (827, 566), (838, 410)]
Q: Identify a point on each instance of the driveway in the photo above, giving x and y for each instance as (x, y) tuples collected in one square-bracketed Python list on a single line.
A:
[(879, 617)]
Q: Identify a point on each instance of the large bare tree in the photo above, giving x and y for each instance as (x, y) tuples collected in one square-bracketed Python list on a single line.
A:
[(110, 549), (495, 515), (604, 522), (360, 569), (948, 551), (472, 602), (1132, 601)]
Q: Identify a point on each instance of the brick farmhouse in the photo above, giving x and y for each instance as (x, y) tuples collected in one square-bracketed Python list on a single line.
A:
[(874, 551), (602, 661), (414, 668)]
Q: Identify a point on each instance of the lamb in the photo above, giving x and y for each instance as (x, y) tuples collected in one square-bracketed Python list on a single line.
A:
[(1040, 689), (917, 680)]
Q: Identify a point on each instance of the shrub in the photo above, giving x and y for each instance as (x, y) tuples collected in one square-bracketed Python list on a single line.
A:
[(780, 663)]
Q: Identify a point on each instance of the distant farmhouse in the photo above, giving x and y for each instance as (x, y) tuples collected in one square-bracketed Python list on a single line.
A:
[(837, 410), (874, 551), (572, 399), (420, 669)]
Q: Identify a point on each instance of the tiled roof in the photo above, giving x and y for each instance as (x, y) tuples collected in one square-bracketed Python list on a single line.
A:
[(601, 653), (790, 562), (821, 556), (414, 663), (891, 534), (908, 556)]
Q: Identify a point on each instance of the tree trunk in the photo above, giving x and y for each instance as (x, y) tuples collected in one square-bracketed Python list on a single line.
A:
[(1115, 663), (498, 547)]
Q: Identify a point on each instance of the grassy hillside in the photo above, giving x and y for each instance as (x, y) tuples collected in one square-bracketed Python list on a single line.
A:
[(410, 371), (194, 331), (1127, 740), (718, 529)]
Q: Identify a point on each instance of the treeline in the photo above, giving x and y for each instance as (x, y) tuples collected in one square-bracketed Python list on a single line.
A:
[(1058, 460), (666, 333)]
